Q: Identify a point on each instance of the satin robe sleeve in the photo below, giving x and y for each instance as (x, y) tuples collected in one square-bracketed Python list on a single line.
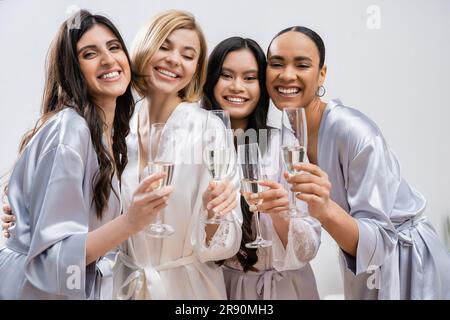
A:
[(372, 181), (56, 262)]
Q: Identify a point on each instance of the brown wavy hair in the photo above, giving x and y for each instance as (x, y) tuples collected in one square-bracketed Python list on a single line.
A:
[(65, 87)]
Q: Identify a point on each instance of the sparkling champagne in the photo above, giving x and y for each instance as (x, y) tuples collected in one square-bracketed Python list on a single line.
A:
[(248, 188), (293, 155), (156, 167)]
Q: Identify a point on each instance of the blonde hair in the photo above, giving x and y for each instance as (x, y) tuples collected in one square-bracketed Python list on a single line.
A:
[(151, 37)]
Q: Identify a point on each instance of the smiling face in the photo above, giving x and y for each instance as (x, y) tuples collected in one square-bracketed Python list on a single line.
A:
[(174, 64), (237, 89), (293, 74), (103, 63)]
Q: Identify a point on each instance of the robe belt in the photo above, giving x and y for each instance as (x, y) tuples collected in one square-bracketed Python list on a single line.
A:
[(390, 276), (265, 285), (145, 282), (404, 229)]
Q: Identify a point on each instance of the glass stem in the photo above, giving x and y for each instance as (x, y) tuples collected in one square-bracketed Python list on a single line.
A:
[(217, 214), (258, 227), (292, 201), (158, 219)]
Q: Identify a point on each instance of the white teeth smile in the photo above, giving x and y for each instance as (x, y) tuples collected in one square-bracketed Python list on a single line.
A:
[(291, 91), (235, 99), (167, 73), (110, 75)]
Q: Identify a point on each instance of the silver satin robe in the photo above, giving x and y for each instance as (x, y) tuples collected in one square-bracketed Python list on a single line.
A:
[(399, 255), (50, 193)]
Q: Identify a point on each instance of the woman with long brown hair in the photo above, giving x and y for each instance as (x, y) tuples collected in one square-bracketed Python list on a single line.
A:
[(65, 186)]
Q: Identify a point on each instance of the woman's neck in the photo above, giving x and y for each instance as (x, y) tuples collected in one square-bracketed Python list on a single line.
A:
[(239, 124), (108, 107), (160, 107), (314, 111)]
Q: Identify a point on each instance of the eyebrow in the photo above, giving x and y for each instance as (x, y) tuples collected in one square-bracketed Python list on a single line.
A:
[(185, 47), (247, 71), (93, 46), (299, 58)]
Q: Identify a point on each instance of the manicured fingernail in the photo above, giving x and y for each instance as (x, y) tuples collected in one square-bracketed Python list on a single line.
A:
[(253, 208), (254, 196)]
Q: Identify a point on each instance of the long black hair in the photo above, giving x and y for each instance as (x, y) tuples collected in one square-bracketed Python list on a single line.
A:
[(65, 87), (256, 120), (314, 36)]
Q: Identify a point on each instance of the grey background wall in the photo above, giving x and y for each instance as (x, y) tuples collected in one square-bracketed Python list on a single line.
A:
[(387, 58)]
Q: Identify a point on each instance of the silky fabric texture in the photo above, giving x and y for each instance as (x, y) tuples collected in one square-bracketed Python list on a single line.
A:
[(180, 266), (50, 193), (283, 273), (399, 255)]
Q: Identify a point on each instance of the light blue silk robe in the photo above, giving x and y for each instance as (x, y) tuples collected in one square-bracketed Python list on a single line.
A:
[(50, 193), (399, 255)]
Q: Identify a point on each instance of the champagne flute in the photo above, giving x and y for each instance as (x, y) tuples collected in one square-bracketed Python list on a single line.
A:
[(250, 161), (161, 158), (218, 153), (293, 147)]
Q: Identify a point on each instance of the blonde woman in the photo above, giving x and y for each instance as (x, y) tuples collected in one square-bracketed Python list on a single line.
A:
[(170, 56)]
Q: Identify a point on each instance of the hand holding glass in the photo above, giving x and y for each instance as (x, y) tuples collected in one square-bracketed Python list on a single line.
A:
[(250, 161), (218, 153), (293, 147), (161, 158)]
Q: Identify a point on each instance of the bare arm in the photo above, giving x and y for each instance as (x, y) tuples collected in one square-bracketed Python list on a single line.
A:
[(314, 188), (342, 227)]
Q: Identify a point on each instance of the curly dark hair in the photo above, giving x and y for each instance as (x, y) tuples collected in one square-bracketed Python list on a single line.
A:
[(65, 87)]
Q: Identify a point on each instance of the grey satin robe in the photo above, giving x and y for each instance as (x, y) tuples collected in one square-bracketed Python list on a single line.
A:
[(399, 255), (284, 273), (50, 193)]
